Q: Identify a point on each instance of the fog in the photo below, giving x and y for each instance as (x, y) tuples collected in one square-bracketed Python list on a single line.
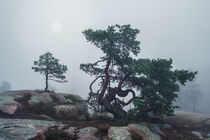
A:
[(168, 29)]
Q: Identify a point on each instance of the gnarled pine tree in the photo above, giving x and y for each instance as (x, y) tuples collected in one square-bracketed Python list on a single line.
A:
[(152, 83)]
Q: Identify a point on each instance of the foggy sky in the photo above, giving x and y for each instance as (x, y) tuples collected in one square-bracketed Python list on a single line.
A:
[(177, 29)]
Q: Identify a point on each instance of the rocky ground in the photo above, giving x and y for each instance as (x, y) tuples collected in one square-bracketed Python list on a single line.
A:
[(36, 115)]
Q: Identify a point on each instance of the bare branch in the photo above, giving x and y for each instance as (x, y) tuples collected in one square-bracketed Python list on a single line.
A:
[(134, 97), (94, 82), (121, 81)]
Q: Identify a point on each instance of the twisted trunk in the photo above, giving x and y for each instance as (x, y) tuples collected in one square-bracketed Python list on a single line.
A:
[(117, 107), (109, 101), (106, 82)]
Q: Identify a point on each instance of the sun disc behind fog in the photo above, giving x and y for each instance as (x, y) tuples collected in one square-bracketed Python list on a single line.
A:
[(56, 27)]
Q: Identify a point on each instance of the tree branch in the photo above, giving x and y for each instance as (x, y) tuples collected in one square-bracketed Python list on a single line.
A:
[(134, 97), (60, 81), (121, 81), (94, 82)]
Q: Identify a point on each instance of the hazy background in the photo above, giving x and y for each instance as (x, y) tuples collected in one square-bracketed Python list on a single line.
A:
[(179, 29)]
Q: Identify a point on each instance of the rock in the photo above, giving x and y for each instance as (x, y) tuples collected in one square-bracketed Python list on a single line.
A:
[(88, 133), (60, 98), (9, 105), (37, 103), (198, 134), (70, 130), (156, 129), (76, 112), (13, 94), (9, 100), (40, 136), (119, 133), (187, 119), (44, 98), (22, 129), (208, 134), (165, 126), (143, 131), (88, 130), (73, 96), (17, 93)]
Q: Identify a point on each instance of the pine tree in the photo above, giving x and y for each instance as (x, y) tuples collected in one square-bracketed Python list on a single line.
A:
[(50, 67), (152, 83)]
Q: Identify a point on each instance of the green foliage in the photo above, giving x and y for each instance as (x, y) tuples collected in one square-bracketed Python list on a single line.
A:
[(158, 86), (155, 81), (117, 43), (50, 67), (43, 109), (74, 99)]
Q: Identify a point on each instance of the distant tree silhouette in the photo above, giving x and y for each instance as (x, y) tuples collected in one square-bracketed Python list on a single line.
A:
[(5, 86), (49, 66), (189, 97)]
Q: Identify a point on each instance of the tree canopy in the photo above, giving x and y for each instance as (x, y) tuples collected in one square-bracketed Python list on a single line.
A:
[(152, 83), (50, 67)]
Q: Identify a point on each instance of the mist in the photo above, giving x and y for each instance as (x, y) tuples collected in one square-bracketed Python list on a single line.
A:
[(168, 29)]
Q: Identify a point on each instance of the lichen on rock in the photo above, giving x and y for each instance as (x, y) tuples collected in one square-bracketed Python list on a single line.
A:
[(142, 130), (78, 112), (22, 129), (119, 133), (41, 98), (9, 105)]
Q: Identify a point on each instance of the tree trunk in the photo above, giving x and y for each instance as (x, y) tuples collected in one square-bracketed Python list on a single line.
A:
[(106, 82), (46, 82), (115, 109)]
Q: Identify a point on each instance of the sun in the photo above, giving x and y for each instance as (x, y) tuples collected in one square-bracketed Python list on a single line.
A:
[(56, 27)]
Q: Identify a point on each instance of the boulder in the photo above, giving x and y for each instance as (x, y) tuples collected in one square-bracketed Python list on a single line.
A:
[(70, 130), (156, 129), (165, 126), (17, 94), (208, 134), (9, 105), (75, 112), (119, 133), (187, 119), (44, 98), (142, 130), (60, 98), (198, 134), (38, 103), (88, 130), (23, 129), (88, 133)]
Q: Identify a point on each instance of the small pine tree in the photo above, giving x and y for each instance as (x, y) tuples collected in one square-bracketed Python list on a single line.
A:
[(49, 66)]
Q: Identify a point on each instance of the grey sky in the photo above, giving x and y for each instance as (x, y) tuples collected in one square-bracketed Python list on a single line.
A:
[(178, 29)]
